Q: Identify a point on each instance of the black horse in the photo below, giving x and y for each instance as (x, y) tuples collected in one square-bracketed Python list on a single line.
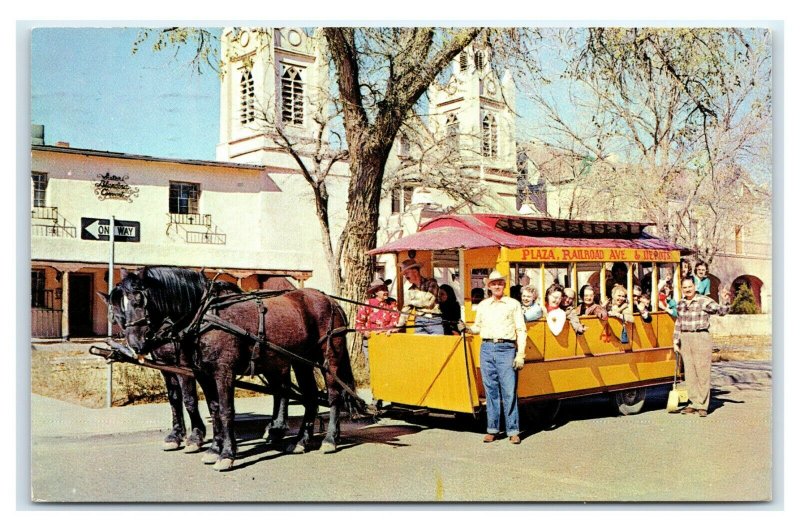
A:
[(303, 326), (181, 390)]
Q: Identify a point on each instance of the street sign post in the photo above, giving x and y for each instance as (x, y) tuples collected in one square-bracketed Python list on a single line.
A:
[(98, 229)]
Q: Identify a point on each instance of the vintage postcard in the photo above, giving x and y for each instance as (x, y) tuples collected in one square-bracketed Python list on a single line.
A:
[(401, 264)]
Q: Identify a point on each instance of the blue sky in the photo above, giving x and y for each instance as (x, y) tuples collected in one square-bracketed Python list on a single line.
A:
[(88, 89)]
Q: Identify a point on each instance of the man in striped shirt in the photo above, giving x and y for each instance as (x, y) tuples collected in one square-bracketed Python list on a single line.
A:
[(693, 340)]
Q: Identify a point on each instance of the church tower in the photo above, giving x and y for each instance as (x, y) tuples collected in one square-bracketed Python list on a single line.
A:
[(272, 78), (474, 111), (274, 93)]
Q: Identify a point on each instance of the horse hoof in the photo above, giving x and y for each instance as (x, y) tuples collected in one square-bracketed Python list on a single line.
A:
[(327, 448), (210, 458), (192, 448), (170, 446), (297, 449), (223, 464)]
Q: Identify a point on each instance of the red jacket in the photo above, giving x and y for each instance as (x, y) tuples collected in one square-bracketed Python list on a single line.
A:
[(377, 315)]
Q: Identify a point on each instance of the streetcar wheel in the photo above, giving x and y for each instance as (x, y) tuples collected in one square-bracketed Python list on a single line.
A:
[(542, 414), (630, 401)]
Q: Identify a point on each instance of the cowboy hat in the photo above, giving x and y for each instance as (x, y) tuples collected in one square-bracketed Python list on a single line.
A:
[(377, 285), (409, 264), (495, 276)]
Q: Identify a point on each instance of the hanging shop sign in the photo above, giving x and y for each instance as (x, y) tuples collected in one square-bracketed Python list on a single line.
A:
[(114, 187)]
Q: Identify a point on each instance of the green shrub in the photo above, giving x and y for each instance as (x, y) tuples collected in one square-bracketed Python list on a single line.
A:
[(745, 302)]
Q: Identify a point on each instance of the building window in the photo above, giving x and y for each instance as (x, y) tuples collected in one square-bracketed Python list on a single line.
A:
[(462, 61), (453, 132), (39, 189), (401, 198), (183, 197), (37, 289), (489, 136), (404, 147), (479, 61), (292, 95), (738, 239), (247, 107)]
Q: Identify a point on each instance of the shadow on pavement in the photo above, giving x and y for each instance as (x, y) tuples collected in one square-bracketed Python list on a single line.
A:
[(253, 449)]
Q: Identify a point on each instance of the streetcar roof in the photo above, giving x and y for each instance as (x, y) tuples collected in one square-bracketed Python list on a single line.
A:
[(475, 231)]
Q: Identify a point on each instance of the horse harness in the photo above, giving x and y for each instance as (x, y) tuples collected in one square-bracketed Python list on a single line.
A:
[(207, 317)]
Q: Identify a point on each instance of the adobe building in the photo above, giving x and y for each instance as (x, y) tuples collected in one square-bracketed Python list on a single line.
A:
[(195, 214)]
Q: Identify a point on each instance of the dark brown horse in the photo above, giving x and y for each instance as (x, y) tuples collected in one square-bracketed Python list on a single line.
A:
[(181, 390), (304, 322)]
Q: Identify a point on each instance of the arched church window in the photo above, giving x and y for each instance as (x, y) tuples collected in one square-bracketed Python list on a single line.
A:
[(452, 131), (292, 95), (404, 149), (489, 136), (247, 106), (479, 61)]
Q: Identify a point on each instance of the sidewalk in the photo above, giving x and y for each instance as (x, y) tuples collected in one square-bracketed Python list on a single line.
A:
[(56, 418)]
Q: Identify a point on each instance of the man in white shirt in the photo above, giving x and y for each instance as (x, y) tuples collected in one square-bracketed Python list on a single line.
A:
[(501, 325)]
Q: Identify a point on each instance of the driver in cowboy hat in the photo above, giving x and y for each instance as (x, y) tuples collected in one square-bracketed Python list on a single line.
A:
[(501, 324), (421, 296)]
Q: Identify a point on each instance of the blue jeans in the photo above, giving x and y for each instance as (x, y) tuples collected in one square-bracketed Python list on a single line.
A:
[(428, 325), (500, 382)]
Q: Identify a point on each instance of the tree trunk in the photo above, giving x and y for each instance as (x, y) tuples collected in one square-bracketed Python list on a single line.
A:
[(358, 237)]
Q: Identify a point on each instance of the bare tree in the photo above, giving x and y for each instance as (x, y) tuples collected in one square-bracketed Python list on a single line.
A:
[(666, 116)]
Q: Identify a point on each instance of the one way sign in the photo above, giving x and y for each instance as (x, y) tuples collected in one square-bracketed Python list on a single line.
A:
[(98, 229)]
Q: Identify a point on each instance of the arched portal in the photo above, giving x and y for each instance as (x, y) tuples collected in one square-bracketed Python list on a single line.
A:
[(753, 282)]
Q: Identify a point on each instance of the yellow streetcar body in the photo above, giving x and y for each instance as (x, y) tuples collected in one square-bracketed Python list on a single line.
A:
[(443, 372)]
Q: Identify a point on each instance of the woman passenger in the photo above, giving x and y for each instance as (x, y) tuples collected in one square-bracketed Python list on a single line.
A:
[(531, 308), (553, 297), (568, 305), (618, 304), (451, 310), (588, 306), (376, 315)]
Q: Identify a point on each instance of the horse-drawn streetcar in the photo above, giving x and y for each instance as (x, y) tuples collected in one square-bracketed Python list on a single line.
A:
[(195, 329), (614, 356)]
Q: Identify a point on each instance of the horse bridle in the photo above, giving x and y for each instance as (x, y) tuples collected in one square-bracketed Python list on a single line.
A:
[(145, 319), (153, 337), (150, 341)]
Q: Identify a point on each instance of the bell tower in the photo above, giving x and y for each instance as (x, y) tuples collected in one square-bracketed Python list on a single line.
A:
[(477, 107), (272, 78)]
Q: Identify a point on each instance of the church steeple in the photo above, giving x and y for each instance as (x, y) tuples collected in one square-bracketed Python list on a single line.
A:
[(272, 78), (476, 107)]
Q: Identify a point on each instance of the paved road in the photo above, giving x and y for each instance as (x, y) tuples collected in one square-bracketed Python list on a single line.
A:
[(114, 455)]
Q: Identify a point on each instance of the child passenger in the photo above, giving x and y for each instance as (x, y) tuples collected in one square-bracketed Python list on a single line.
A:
[(665, 301)]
